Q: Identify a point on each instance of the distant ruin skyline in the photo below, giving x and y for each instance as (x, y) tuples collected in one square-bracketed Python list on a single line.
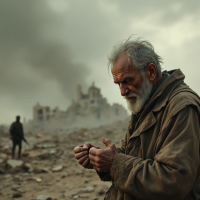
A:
[(49, 47), (87, 106)]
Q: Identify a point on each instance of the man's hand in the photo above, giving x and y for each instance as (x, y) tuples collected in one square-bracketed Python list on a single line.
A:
[(102, 159), (82, 155), (11, 137)]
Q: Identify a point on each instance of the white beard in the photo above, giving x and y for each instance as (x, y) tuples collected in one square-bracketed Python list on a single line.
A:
[(141, 99)]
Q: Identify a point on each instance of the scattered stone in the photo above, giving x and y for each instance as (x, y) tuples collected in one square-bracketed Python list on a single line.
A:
[(85, 195), (62, 195), (15, 187), (44, 156), (55, 138), (31, 179), (17, 177), (78, 171), (7, 147), (25, 174), (52, 151), (14, 163), (51, 145), (7, 176), (1, 161), (35, 161), (87, 190), (44, 170), (3, 156), (21, 190), (43, 197), (2, 171), (18, 189), (63, 175), (76, 196), (41, 170), (57, 168), (39, 135), (39, 180), (101, 192), (83, 130), (86, 181), (25, 154), (86, 133), (28, 166), (45, 146), (17, 195)]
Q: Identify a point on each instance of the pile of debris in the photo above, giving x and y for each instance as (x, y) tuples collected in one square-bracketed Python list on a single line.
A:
[(48, 168)]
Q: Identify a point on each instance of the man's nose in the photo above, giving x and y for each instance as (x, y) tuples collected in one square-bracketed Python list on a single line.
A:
[(123, 90)]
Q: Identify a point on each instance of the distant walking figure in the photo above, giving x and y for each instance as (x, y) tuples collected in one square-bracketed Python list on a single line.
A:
[(16, 135)]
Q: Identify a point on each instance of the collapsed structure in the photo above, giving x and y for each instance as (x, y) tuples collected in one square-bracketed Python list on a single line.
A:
[(87, 106)]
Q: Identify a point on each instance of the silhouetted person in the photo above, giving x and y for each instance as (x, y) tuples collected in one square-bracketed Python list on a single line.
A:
[(17, 135)]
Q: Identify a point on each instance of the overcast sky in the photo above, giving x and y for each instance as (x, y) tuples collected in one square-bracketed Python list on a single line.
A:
[(48, 47)]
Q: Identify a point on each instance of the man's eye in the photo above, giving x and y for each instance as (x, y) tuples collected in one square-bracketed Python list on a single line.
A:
[(129, 80)]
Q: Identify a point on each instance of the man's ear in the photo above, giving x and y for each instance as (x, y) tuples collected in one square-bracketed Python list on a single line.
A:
[(151, 72)]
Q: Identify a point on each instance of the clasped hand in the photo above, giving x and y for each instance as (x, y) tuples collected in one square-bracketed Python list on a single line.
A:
[(91, 157)]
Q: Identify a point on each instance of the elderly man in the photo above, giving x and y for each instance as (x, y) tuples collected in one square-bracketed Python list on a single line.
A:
[(159, 157)]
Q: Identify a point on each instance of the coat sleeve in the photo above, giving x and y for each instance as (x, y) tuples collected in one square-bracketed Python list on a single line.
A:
[(172, 173)]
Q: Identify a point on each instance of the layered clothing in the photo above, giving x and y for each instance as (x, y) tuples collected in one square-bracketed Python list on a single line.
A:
[(16, 131), (159, 157)]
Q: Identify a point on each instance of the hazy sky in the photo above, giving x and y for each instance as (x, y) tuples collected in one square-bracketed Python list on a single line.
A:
[(48, 47)]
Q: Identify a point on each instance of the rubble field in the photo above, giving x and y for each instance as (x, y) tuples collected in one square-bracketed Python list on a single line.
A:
[(48, 169)]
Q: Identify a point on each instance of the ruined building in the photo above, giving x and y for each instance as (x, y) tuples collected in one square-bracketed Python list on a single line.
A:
[(87, 106)]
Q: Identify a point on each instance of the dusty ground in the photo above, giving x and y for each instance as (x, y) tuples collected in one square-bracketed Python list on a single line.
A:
[(48, 150)]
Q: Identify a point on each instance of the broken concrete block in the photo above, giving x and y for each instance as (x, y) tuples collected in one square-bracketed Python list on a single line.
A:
[(15, 163)]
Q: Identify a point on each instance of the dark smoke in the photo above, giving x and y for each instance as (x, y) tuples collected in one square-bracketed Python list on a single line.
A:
[(31, 53)]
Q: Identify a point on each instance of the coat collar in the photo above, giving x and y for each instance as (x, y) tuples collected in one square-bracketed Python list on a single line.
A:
[(162, 94)]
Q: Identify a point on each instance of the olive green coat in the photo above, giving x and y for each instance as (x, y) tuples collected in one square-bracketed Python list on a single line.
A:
[(159, 157)]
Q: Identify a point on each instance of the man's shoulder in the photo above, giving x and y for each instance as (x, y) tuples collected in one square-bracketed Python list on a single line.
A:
[(20, 123), (181, 98), (13, 123), (16, 123)]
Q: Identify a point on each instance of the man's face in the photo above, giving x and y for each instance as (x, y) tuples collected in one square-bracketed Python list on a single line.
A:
[(18, 119), (135, 88)]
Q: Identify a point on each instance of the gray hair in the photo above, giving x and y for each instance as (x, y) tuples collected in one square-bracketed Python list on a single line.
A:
[(140, 54)]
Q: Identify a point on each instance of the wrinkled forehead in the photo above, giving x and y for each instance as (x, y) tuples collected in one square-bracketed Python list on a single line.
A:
[(122, 69), (119, 73), (121, 66)]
